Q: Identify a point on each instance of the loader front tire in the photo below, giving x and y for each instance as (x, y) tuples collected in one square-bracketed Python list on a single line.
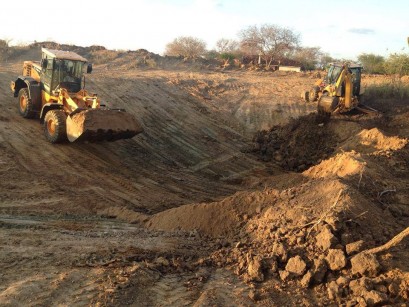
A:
[(313, 94), (25, 104), (55, 130)]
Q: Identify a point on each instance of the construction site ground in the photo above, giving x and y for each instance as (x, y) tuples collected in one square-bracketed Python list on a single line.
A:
[(204, 208)]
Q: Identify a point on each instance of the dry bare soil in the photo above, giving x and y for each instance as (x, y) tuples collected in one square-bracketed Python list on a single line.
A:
[(203, 208)]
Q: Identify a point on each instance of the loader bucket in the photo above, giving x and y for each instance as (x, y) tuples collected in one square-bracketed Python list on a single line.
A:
[(327, 104), (101, 125)]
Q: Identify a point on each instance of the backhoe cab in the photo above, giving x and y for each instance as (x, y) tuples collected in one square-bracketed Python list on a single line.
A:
[(53, 91)]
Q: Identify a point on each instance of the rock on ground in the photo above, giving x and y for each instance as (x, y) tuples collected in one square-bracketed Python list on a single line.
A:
[(306, 280), (354, 247), (360, 286), (296, 266), (373, 298), (334, 290), (254, 270), (325, 239), (319, 269), (336, 259), (365, 265)]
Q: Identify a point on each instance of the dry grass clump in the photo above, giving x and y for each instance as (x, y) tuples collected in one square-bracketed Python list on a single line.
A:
[(103, 56), (393, 88)]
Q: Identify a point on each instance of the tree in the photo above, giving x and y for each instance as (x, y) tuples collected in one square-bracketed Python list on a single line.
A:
[(308, 57), (271, 42), (372, 63), (397, 64), (325, 59), (186, 46), (4, 48), (227, 49), (225, 45)]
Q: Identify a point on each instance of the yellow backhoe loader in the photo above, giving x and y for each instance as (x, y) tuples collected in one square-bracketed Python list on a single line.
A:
[(53, 91), (339, 91)]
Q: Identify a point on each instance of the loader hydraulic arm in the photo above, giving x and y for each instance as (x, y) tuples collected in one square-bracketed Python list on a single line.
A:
[(79, 100), (344, 84)]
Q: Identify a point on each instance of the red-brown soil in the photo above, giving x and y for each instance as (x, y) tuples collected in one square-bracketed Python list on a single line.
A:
[(223, 200)]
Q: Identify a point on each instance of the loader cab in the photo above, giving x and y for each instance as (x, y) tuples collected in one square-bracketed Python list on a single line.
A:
[(333, 73), (68, 74), (61, 68)]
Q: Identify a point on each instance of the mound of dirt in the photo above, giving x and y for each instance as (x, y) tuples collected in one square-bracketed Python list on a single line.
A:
[(297, 145), (374, 141), (342, 165), (215, 219), (307, 237)]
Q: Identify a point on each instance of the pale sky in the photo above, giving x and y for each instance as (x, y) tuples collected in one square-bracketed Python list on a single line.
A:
[(344, 29)]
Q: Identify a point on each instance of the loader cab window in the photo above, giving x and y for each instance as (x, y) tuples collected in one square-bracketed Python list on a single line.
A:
[(47, 72), (333, 74), (68, 74)]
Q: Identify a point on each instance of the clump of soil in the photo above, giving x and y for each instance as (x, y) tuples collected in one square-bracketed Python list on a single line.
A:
[(296, 146)]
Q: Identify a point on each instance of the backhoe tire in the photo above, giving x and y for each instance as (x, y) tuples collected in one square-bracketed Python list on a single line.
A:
[(313, 94), (55, 130), (305, 95), (25, 104)]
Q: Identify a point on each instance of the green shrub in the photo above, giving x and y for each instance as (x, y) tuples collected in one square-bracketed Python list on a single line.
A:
[(227, 56), (397, 63), (373, 64)]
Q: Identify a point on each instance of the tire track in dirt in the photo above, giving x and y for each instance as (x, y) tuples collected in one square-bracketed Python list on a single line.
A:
[(203, 287), (173, 143), (68, 256)]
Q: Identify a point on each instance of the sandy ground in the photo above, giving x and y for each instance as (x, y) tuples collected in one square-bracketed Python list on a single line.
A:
[(188, 213)]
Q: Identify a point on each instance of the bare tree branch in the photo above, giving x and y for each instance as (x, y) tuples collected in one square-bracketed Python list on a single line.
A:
[(271, 42), (186, 46), (391, 243)]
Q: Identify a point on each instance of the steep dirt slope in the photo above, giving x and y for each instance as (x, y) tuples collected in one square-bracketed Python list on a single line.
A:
[(180, 157)]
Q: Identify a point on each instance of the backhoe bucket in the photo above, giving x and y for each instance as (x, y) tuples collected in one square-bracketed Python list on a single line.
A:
[(101, 125)]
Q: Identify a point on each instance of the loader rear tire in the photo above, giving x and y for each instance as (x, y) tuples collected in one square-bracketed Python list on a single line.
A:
[(55, 130), (25, 104)]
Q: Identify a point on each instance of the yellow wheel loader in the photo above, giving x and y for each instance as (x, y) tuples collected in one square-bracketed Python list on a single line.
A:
[(339, 91), (53, 91)]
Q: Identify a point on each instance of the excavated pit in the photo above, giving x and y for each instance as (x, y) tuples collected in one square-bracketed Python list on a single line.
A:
[(183, 214), (297, 145)]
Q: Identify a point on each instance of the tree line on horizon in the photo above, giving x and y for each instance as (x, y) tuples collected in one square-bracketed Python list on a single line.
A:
[(267, 45), (275, 44)]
